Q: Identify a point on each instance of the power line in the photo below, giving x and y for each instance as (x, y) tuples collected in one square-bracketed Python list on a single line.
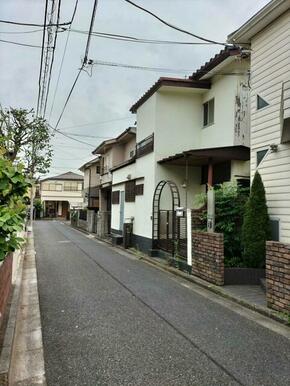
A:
[(90, 31), (173, 26), (41, 57), (69, 95), (146, 68), (158, 69), (62, 60), (33, 24), (19, 44), (68, 136), (52, 58), (88, 136), (83, 64), (96, 123), (21, 32), (134, 39)]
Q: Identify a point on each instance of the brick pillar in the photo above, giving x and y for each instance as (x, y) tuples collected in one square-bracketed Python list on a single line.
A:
[(208, 256), (278, 275)]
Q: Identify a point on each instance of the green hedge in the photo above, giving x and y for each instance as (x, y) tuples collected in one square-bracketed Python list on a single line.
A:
[(13, 187)]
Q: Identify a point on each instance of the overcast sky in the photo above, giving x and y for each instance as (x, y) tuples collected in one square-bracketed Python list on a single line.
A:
[(109, 93)]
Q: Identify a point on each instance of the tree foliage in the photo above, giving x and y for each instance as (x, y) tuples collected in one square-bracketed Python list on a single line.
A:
[(26, 135), (13, 187), (230, 202), (256, 228)]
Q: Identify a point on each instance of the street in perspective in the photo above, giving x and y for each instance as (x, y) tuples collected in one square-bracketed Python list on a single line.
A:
[(145, 193)]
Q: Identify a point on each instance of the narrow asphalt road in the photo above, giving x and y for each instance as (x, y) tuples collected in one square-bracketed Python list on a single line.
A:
[(109, 319)]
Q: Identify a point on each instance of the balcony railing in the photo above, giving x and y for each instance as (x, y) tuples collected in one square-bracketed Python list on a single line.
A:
[(145, 146)]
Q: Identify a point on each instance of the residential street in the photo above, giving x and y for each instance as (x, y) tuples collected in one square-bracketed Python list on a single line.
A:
[(109, 319)]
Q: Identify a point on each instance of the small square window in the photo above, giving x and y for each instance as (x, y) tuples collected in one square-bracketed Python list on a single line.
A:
[(208, 112)]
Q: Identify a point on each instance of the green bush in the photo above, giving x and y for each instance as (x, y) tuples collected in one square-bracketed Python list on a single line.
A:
[(256, 227), (230, 202), (13, 187)]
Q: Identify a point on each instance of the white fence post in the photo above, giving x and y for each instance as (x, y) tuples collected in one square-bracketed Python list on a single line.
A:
[(189, 237)]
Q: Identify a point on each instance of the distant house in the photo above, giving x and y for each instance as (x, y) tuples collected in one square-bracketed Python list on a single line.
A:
[(267, 34), (114, 153), (191, 132), (91, 187), (61, 193)]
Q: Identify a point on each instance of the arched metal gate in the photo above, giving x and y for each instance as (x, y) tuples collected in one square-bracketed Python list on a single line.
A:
[(164, 224)]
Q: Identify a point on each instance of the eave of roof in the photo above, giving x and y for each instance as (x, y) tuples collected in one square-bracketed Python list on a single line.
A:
[(260, 20), (174, 82), (69, 176), (197, 157), (123, 164), (89, 163), (215, 61), (101, 148), (130, 131)]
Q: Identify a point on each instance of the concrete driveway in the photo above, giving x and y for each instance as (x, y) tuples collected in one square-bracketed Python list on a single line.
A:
[(111, 319)]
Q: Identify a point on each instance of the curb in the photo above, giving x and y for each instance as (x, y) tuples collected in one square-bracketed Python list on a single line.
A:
[(27, 361), (200, 282), (7, 347)]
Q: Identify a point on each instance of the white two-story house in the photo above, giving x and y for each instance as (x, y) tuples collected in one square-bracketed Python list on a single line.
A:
[(112, 153), (267, 35), (192, 132), (91, 189), (61, 193)]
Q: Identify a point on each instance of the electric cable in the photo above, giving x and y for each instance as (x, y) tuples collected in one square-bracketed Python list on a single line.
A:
[(62, 60), (173, 26)]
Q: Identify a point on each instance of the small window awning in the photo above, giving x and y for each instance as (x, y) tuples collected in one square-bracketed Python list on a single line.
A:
[(200, 157)]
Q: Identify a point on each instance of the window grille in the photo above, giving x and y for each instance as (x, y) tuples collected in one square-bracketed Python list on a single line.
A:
[(130, 191)]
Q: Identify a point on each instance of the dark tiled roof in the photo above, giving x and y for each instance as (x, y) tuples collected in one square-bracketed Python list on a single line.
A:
[(213, 62), (70, 176), (163, 81)]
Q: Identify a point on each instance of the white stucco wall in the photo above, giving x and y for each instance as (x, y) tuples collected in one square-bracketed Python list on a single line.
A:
[(146, 119), (178, 121)]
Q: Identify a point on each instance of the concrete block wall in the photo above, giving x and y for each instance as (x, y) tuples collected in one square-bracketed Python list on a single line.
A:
[(5, 283), (208, 256), (278, 276)]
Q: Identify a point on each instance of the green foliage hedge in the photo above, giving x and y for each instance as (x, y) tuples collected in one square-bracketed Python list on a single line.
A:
[(230, 202), (13, 187), (256, 226)]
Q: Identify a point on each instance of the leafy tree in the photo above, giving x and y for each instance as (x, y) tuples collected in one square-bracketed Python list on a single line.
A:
[(230, 202), (256, 227), (26, 135), (13, 187)]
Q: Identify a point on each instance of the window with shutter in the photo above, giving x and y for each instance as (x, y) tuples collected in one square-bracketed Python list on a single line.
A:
[(116, 197), (130, 191)]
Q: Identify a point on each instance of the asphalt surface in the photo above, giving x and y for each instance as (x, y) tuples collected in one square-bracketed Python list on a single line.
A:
[(108, 319)]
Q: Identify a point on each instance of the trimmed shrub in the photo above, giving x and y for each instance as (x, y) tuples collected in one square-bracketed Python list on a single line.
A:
[(256, 226)]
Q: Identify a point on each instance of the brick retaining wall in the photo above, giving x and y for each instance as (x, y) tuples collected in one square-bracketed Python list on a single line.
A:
[(208, 256), (278, 276), (5, 283)]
